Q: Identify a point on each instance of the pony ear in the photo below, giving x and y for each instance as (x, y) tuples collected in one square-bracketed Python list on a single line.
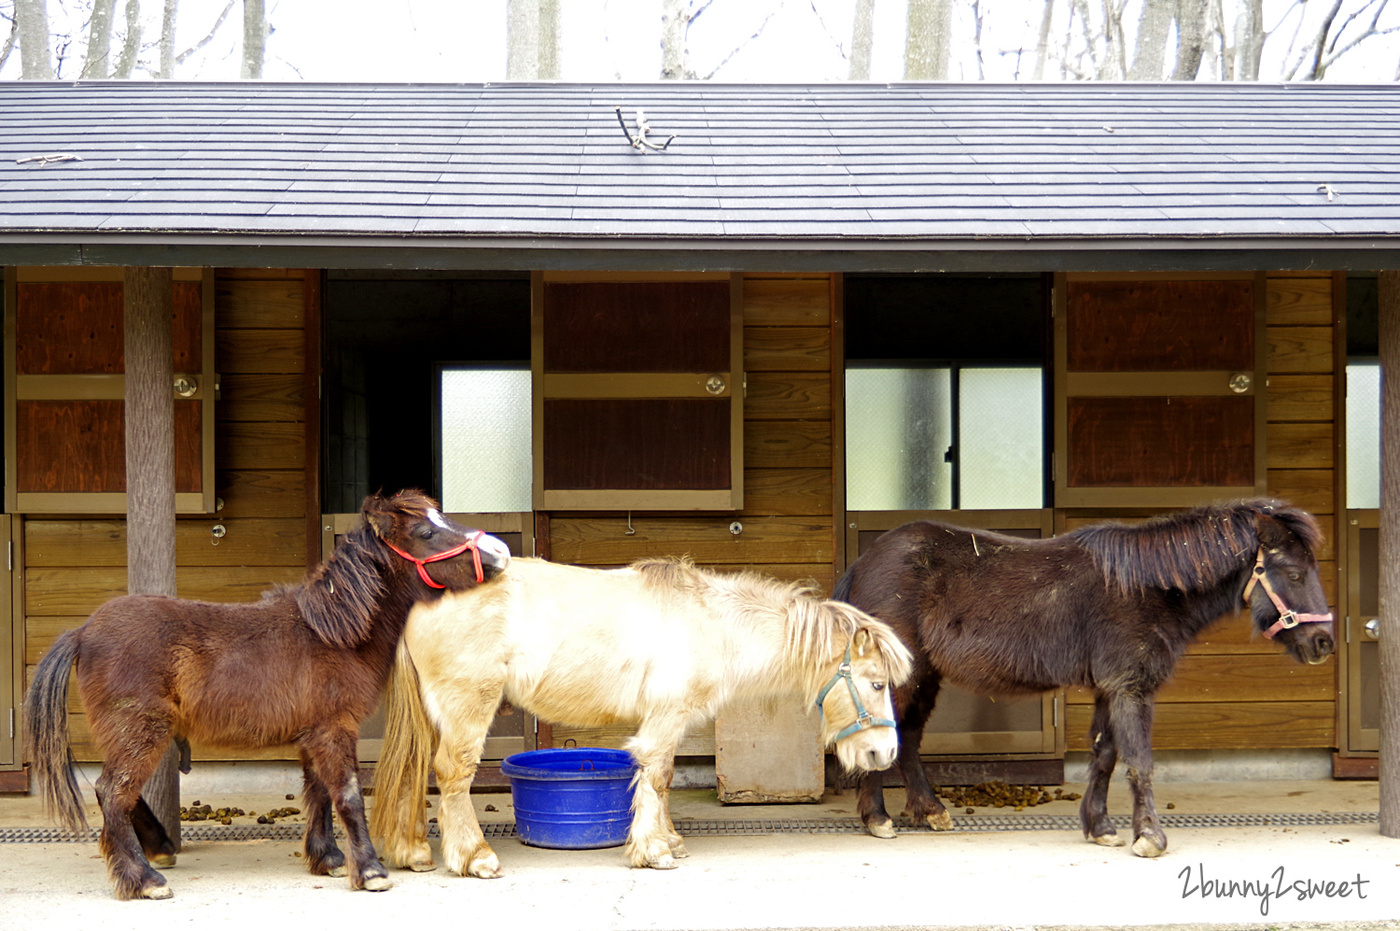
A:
[(862, 642), (381, 524)]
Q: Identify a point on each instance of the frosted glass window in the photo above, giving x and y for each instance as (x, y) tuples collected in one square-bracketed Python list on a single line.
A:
[(1364, 435), (1001, 445), (486, 431), (898, 434)]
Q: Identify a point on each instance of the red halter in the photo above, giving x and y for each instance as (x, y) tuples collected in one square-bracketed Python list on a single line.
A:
[(1286, 617), (470, 544)]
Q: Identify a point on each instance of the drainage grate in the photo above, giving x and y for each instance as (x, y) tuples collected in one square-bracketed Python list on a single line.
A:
[(740, 828)]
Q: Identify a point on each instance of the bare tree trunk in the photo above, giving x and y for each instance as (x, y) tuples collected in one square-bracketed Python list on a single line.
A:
[(675, 53), (1150, 54), (97, 61), (1389, 643), (927, 40), (148, 305), (254, 39), (522, 39), (862, 38), (167, 39), (1249, 40), (1042, 43), (548, 69), (35, 54), (1190, 38), (132, 47)]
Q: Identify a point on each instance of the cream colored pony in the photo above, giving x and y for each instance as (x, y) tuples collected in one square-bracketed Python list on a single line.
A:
[(661, 643)]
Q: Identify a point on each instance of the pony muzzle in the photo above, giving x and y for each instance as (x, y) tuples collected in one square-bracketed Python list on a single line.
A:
[(472, 543)]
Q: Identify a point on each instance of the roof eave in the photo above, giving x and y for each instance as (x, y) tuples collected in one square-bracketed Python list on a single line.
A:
[(755, 254)]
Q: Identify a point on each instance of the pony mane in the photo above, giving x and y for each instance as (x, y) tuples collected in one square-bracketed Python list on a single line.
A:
[(812, 625), (338, 599), (1190, 550)]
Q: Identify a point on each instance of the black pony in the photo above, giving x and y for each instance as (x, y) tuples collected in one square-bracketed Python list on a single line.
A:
[(305, 665), (1110, 607)]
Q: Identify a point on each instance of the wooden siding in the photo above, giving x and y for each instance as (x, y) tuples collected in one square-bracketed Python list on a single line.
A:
[(787, 516), (73, 565), (1234, 689)]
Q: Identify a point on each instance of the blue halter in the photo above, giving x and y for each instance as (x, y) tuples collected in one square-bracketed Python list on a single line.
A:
[(863, 718)]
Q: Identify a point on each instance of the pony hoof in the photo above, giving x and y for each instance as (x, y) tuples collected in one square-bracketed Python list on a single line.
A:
[(422, 866), (163, 860), (378, 884), (1145, 846), (486, 869), (337, 871), (940, 821), (678, 850), (157, 892), (663, 862), (1108, 840), (883, 829)]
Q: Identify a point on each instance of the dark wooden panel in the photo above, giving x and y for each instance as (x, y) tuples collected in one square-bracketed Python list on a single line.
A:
[(80, 446), (1136, 326), (600, 541), (1147, 442), (642, 444), (262, 397), (650, 326), (265, 351), (75, 328), (1232, 725)]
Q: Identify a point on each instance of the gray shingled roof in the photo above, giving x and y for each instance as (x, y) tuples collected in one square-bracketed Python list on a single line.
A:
[(475, 174)]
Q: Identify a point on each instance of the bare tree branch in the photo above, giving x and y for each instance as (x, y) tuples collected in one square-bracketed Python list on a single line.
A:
[(209, 37), (742, 45)]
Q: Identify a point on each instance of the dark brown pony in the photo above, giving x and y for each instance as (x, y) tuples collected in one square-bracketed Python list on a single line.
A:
[(305, 666), (1110, 607)]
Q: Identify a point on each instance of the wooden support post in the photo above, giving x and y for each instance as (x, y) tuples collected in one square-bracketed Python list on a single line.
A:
[(1389, 643), (148, 306)]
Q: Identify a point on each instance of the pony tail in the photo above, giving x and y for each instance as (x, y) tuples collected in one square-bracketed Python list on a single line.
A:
[(401, 778), (46, 721)]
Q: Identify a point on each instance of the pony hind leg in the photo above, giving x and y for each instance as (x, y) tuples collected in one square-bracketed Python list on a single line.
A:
[(462, 739), (921, 802), (652, 838), (331, 755), (119, 796), (1103, 757), (155, 842)]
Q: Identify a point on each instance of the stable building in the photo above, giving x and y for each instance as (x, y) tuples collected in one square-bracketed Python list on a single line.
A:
[(758, 325)]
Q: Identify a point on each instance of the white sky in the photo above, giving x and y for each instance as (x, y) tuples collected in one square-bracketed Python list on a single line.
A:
[(607, 40)]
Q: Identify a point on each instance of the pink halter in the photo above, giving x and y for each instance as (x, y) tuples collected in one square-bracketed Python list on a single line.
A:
[(1286, 618), (470, 544)]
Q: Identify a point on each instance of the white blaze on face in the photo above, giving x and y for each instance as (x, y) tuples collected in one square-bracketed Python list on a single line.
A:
[(436, 517)]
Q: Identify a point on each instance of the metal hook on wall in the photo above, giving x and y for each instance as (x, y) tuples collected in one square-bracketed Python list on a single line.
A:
[(630, 531)]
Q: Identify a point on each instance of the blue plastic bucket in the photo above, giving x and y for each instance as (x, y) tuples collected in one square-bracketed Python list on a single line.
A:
[(575, 799)]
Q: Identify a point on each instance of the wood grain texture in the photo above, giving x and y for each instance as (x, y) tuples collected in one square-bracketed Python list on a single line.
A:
[(1225, 725), (261, 351), (1299, 301), (602, 541), (787, 301), (1301, 398), (1299, 350), (787, 349), (253, 304), (785, 444), (788, 396)]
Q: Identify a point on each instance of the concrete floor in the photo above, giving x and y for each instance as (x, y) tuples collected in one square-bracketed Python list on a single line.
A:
[(965, 879)]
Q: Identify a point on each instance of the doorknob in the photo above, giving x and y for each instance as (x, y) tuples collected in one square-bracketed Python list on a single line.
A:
[(1373, 628)]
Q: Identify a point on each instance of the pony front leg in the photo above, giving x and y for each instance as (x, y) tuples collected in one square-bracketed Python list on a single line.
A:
[(1132, 726), (652, 840), (464, 847), (331, 755)]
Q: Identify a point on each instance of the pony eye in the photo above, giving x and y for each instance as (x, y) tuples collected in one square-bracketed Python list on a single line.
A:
[(1295, 576), (878, 686)]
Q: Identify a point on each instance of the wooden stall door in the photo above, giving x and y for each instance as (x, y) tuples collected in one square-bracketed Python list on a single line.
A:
[(965, 725), (1159, 387), (638, 392), (11, 658), (1362, 669), (65, 387)]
